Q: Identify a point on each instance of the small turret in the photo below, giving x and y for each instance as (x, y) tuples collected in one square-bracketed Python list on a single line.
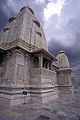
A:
[(63, 61)]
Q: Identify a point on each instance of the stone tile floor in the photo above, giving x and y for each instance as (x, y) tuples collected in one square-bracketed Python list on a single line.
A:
[(66, 107)]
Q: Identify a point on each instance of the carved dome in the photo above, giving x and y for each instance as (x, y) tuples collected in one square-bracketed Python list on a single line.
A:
[(63, 61)]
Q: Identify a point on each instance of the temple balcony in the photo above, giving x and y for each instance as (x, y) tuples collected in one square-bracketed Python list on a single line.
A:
[(43, 59)]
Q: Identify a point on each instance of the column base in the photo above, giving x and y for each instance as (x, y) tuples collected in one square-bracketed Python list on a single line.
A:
[(12, 100)]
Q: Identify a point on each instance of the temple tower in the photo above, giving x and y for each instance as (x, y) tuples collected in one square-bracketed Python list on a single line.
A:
[(24, 31), (64, 71)]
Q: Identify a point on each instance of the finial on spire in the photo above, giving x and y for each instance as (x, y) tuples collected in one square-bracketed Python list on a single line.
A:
[(27, 3), (61, 51)]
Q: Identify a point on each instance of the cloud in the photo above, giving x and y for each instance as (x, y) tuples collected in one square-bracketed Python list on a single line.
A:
[(64, 29), (55, 32), (60, 20), (53, 8), (40, 1)]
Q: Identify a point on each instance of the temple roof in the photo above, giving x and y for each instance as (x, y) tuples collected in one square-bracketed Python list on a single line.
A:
[(46, 53), (65, 69)]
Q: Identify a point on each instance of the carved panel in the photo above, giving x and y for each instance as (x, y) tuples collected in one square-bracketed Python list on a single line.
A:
[(20, 72)]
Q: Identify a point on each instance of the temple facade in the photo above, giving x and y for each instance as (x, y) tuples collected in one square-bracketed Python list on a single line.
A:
[(28, 71)]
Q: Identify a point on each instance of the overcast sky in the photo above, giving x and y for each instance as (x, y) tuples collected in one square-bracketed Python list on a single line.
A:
[(60, 20)]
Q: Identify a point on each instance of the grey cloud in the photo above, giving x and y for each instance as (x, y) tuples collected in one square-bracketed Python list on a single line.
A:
[(60, 29)]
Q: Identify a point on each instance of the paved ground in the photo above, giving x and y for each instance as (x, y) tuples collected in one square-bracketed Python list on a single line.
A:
[(66, 107)]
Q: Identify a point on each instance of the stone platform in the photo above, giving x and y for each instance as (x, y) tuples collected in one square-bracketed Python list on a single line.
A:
[(66, 107)]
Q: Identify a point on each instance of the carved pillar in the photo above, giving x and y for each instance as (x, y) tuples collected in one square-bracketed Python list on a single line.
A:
[(51, 65), (32, 62), (7, 67), (40, 61), (48, 65), (18, 60)]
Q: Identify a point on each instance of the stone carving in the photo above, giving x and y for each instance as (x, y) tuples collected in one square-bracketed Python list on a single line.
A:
[(20, 73)]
